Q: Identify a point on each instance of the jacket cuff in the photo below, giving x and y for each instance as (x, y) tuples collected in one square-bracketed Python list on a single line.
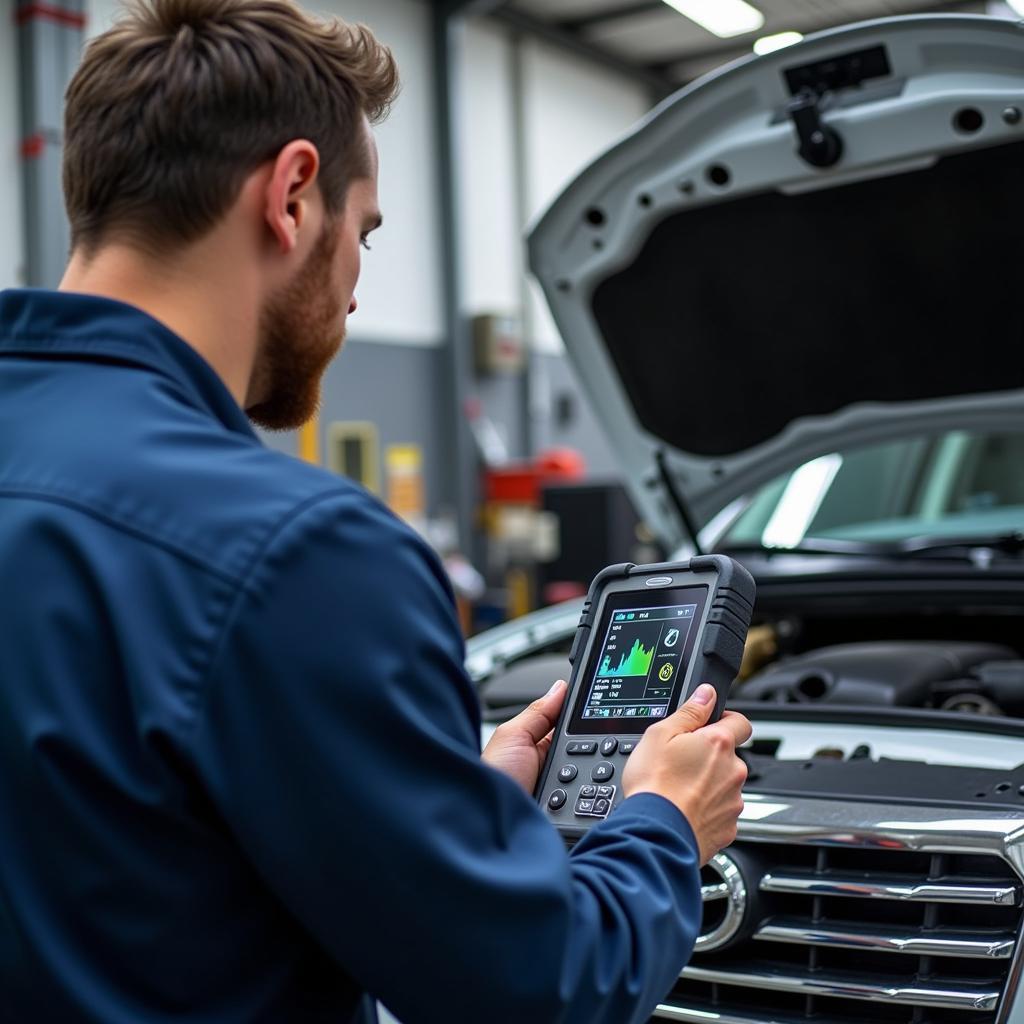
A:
[(662, 810)]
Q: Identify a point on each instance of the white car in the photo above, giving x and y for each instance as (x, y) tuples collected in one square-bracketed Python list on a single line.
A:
[(795, 293)]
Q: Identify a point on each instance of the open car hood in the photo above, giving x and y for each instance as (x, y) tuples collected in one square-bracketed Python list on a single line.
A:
[(734, 307)]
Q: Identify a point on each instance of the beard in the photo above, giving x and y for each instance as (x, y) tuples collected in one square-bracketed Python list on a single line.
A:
[(299, 336)]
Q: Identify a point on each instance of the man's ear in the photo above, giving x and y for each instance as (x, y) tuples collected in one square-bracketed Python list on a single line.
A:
[(289, 190)]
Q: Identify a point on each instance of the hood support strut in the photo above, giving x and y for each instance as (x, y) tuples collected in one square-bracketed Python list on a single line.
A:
[(678, 501)]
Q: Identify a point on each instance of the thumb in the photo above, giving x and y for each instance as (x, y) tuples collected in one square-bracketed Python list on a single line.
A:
[(540, 717), (696, 711)]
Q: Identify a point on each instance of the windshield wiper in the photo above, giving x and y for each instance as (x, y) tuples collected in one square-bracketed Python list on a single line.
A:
[(812, 546), (1011, 543)]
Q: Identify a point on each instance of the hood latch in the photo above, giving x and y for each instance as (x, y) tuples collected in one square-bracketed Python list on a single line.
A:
[(820, 145), (812, 86)]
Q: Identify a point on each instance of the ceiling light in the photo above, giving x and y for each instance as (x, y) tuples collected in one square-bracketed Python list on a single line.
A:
[(725, 18), (769, 44)]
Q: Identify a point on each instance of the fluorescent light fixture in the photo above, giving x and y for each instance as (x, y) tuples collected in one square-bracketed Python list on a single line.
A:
[(769, 44), (725, 18), (800, 502)]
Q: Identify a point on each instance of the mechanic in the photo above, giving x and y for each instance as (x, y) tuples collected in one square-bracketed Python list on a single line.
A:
[(240, 774)]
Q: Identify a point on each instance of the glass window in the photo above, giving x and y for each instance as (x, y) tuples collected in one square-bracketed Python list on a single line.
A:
[(955, 484)]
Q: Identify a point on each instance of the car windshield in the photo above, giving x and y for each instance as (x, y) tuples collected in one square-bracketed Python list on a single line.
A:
[(960, 485)]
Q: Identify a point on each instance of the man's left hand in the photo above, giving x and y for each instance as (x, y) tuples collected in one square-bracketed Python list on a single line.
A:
[(519, 746)]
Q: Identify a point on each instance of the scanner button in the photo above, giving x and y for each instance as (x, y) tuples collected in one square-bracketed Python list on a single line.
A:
[(627, 746), (567, 773), (580, 639), (604, 792), (590, 791), (576, 747), (609, 746), (603, 771), (557, 799), (584, 806), (602, 807)]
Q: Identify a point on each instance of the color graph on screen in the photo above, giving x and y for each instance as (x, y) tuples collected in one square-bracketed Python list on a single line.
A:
[(636, 663)]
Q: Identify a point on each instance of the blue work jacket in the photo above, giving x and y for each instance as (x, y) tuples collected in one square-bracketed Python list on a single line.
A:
[(240, 775)]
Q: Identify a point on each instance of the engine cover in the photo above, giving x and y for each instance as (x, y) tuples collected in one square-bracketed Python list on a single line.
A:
[(902, 673)]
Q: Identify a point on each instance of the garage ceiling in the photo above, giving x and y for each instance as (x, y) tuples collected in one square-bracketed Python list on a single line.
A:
[(664, 48)]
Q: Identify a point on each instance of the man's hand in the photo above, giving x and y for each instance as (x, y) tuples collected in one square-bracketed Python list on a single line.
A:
[(695, 766), (519, 746)]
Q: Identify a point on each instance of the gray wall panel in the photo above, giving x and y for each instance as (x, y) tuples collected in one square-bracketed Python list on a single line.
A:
[(556, 384), (393, 386), (396, 387)]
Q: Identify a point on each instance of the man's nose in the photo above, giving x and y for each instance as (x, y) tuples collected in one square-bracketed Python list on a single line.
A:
[(352, 306)]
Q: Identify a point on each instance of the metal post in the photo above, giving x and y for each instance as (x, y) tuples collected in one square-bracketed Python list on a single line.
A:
[(50, 37), (461, 465), (521, 162)]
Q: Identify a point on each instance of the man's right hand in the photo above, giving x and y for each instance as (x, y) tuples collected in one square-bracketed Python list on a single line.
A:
[(695, 766)]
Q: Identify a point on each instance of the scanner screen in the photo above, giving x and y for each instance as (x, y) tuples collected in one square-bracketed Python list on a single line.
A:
[(639, 658)]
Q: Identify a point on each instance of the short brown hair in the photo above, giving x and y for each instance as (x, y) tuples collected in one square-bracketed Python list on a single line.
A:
[(175, 105)]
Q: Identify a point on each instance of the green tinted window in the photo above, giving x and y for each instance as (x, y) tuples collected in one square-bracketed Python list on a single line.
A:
[(958, 483)]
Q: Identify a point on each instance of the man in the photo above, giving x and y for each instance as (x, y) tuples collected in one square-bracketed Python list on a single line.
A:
[(240, 778)]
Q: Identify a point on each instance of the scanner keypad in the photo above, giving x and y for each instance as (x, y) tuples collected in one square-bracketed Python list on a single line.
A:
[(583, 797), (587, 807)]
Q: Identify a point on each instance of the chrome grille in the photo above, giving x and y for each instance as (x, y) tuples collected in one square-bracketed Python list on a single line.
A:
[(856, 926)]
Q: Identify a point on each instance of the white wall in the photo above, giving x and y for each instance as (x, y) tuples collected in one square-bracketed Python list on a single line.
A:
[(400, 289), (491, 234), (11, 231), (572, 111), (99, 15)]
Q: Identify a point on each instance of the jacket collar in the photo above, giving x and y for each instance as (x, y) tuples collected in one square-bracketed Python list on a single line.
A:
[(67, 325)]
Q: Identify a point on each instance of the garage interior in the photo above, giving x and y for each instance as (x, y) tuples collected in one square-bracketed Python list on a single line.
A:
[(532, 190), (453, 399)]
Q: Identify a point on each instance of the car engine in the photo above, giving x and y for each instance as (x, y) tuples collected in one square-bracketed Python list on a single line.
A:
[(984, 679), (877, 872)]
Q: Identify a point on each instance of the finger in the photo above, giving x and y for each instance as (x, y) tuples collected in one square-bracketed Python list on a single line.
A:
[(695, 712), (540, 717), (545, 744), (739, 724), (736, 725)]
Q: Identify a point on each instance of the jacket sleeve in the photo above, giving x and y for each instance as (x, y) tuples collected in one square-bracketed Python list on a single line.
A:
[(339, 738)]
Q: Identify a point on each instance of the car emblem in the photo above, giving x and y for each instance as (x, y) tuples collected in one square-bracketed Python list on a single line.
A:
[(725, 903)]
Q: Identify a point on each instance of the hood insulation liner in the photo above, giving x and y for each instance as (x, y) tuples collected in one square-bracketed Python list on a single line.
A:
[(775, 307)]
